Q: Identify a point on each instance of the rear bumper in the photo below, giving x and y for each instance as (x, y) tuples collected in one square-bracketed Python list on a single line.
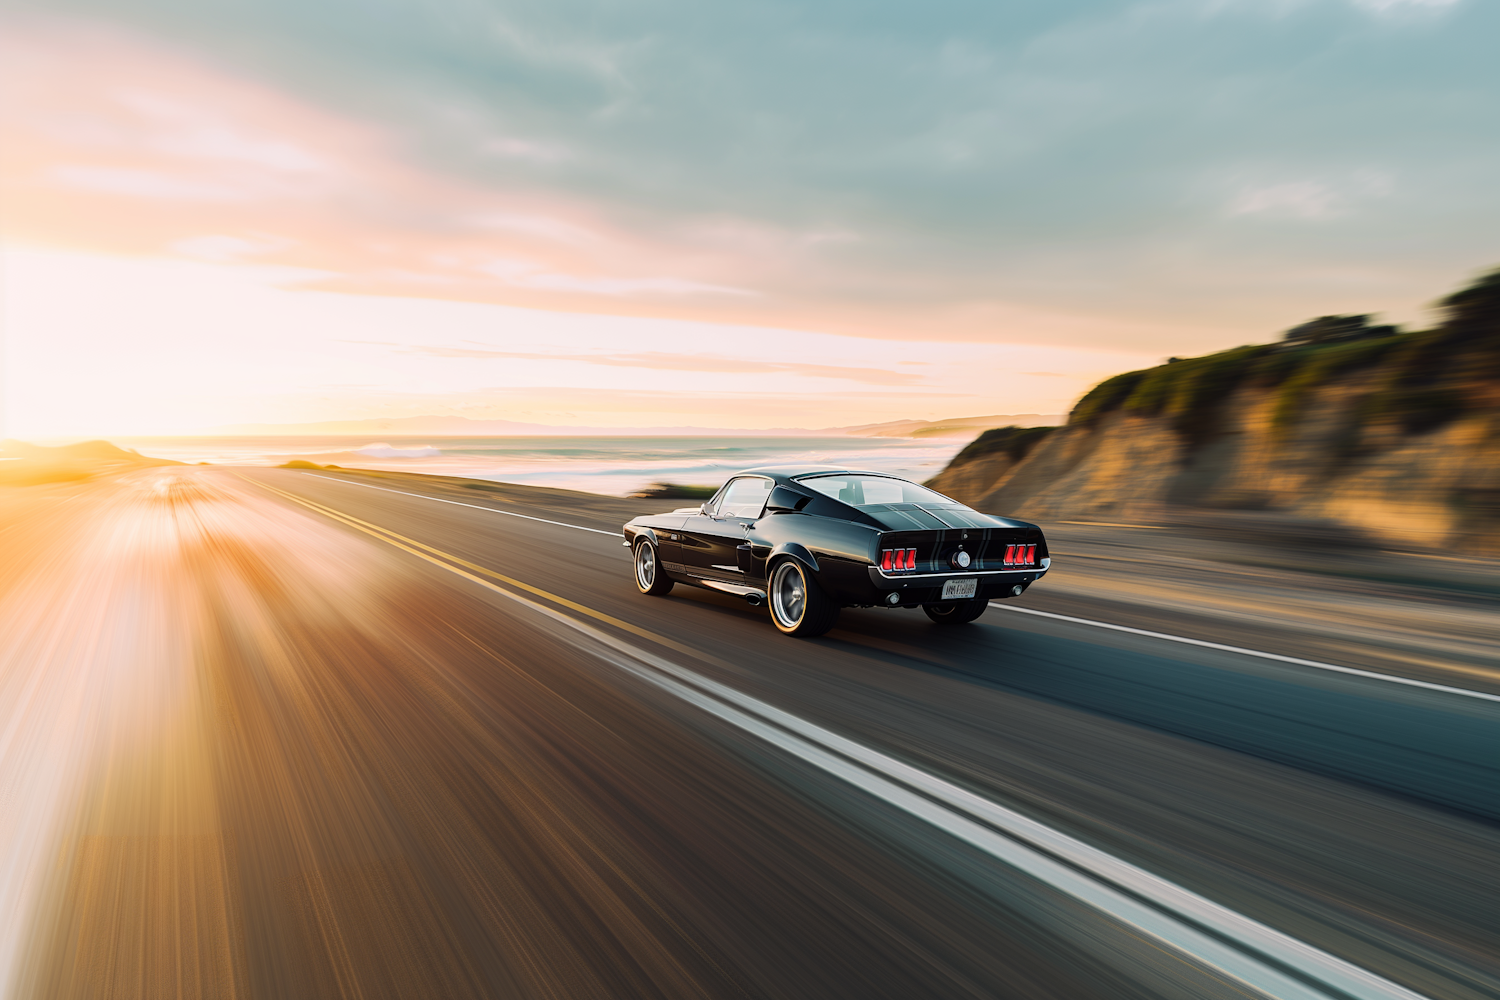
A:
[(927, 588)]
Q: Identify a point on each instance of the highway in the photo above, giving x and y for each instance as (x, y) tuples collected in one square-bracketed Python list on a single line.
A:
[(284, 735)]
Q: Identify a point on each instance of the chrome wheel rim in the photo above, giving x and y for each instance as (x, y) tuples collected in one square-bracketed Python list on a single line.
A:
[(788, 595), (645, 566)]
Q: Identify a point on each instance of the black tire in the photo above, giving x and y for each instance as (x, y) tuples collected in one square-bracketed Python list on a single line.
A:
[(798, 605), (956, 612), (650, 578)]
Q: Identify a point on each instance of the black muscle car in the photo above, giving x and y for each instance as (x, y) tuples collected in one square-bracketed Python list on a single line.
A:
[(810, 540)]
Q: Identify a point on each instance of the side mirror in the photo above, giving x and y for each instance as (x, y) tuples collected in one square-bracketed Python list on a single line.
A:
[(784, 499), (703, 507)]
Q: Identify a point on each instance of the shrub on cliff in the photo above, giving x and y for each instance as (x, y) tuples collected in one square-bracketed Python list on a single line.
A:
[(1306, 369), (1105, 398), (1016, 442), (1189, 390)]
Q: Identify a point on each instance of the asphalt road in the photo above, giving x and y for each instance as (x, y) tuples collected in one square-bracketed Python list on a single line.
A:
[(269, 734)]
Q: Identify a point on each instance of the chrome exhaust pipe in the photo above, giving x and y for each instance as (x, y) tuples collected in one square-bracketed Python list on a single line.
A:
[(755, 600)]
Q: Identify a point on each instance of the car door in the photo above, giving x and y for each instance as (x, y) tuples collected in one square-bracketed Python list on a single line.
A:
[(711, 540)]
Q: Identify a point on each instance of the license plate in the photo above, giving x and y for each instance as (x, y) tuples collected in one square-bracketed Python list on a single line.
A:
[(954, 590)]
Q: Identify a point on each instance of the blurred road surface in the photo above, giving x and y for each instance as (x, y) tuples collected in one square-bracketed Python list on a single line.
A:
[(275, 735)]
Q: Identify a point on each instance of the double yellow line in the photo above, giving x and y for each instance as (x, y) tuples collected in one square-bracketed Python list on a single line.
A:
[(470, 571)]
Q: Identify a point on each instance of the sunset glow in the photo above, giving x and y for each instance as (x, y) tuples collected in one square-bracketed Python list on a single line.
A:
[(795, 500), (200, 235)]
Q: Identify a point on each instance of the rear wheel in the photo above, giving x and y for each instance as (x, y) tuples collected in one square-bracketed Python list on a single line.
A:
[(798, 605), (955, 612), (649, 576)]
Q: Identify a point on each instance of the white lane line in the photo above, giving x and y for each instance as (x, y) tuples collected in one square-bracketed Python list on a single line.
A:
[(456, 503), (1392, 678), (1099, 883)]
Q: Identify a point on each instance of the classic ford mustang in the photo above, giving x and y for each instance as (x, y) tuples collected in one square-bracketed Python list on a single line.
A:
[(810, 540)]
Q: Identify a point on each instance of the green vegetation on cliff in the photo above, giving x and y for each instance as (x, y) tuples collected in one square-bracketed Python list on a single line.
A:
[(1426, 378), (1309, 367), (1187, 390), (1016, 442)]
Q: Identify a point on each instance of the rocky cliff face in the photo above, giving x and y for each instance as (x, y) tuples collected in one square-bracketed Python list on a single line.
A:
[(1395, 436)]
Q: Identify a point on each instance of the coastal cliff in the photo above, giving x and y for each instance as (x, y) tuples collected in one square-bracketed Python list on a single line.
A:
[(1391, 435)]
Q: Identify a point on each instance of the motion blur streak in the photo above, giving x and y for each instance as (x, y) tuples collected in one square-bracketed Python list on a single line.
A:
[(1253, 937), (492, 510), (116, 682), (248, 752), (104, 761), (206, 795)]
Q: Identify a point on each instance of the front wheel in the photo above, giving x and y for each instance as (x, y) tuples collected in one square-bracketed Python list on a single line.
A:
[(955, 612), (649, 576), (798, 605)]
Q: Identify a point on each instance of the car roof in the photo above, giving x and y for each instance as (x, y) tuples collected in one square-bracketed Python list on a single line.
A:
[(790, 472)]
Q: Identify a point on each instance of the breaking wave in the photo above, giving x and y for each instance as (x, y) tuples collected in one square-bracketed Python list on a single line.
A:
[(382, 450)]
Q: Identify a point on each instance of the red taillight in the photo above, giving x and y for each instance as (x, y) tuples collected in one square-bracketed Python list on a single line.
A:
[(1020, 555), (898, 559)]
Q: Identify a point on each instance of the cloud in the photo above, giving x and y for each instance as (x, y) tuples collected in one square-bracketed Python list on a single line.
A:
[(663, 361), (1302, 199), (994, 160), (181, 129), (147, 184), (1383, 6), (625, 286), (546, 227), (223, 249), (1311, 199), (525, 274), (511, 148)]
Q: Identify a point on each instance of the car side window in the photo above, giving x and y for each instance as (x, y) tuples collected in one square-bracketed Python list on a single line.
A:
[(745, 497)]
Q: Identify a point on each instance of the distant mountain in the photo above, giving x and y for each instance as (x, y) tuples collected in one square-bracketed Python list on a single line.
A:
[(437, 426), (952, 427)]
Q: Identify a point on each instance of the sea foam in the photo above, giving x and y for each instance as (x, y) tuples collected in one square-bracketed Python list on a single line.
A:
[(382, 450)]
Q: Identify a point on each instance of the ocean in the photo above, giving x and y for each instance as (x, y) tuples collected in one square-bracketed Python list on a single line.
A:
[(614, 466)]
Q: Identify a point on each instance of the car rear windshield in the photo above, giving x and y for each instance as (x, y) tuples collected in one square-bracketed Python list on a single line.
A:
[(868, 491)]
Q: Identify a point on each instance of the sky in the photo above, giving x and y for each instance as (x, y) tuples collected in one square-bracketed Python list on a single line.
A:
[(664, 213)]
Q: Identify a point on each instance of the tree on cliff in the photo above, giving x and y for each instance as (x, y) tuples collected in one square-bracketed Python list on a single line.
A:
[(1451, 369), (1472, 324), (1336, 329)]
